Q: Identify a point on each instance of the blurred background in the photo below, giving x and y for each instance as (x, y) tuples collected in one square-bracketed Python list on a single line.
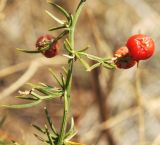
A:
[(110, 107)]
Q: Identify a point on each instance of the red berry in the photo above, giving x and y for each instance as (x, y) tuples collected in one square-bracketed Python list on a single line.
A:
[(45, 41), (123, 60), (140, 47)]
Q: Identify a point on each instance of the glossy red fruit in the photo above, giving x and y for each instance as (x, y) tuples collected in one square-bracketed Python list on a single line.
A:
[(45, 41), (140, 47), (123, 59)]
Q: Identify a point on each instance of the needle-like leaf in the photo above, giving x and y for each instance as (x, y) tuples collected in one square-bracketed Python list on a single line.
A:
[(39, 129), (84, 49), (28, 51), (83, 62), (67, 48), (29, 105), (92, 57), (49, 136), (72, 131), (57, 28), (40, 138), (54, 17), (50, 122), (27, 97), (60, 9), (108, 66), (33, 51), (93, 66), (56, 78)]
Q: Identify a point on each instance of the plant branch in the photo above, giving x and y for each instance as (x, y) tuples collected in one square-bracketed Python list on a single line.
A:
[(69, 76)]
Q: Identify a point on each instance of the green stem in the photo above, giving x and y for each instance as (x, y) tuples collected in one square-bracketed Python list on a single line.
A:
[(69, 77)]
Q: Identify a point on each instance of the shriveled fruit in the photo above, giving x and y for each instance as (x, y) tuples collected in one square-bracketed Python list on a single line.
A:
[(47, 45), (123, 59)]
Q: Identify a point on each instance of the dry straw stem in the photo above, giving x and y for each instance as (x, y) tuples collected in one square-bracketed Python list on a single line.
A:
[(29, 73), (13, 69), (152, 105), (2, 6), (149, 17), (140, 103), (101, 45), (142, 5), (113, 121), (156, 141), (136, 111), (102, 49)]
